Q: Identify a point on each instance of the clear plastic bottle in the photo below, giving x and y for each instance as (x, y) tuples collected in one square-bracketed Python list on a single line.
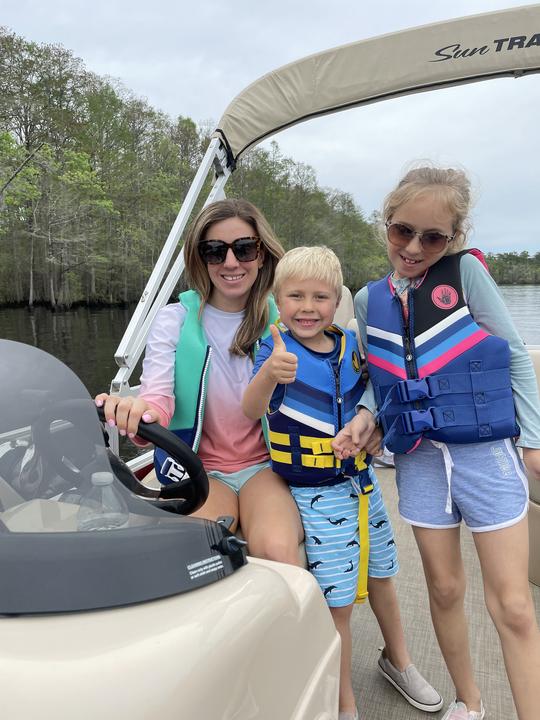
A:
[(103, 508)]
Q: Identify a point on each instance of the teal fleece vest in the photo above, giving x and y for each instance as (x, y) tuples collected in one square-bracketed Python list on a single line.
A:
[(192, 364)]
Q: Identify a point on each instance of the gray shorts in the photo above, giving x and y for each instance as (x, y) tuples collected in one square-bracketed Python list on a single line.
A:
[(482, 484)]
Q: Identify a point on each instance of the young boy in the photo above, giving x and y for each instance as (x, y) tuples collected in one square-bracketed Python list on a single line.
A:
[(308, 381)]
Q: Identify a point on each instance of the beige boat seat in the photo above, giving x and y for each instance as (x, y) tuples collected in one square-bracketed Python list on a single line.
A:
[(345, 310), (353, 325)]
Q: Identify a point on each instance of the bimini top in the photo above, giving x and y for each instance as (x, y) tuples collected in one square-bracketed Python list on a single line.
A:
[(424, 58)]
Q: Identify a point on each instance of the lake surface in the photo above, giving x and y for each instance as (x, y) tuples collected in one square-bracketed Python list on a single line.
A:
[(86, 339), (523, 302)]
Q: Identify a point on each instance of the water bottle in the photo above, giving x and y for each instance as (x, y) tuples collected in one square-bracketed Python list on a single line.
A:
[(103, 508)]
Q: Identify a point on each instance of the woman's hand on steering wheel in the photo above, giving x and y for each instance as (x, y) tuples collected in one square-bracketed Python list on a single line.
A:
[(126, 412)]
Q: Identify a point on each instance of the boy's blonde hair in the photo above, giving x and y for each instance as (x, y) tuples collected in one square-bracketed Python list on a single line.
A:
[(310, 263), (451, 186)]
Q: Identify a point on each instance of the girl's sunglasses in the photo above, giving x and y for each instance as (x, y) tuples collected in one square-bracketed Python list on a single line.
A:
[(214, 252), (432, 241)]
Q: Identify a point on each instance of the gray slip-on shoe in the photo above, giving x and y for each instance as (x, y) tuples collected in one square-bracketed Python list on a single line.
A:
[(412, 685)]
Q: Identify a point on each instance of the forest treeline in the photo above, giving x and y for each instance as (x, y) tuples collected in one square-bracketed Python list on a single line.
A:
[(92, 177), (515, 268)]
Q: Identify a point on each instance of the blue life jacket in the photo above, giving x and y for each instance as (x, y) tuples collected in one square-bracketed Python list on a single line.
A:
[(437, 375), (314, 408), (192, 365)]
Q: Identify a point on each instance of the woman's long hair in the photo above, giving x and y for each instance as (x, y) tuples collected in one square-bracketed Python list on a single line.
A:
[(256, 312)]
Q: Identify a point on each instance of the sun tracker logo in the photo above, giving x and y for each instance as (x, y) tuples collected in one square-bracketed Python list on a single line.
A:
[(444, 297), (517, 42)]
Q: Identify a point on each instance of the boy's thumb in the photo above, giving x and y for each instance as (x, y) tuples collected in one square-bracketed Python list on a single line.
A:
[(276, 336)]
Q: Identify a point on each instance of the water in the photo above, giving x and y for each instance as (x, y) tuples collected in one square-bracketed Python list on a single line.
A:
[(523, 302), (86, 339)]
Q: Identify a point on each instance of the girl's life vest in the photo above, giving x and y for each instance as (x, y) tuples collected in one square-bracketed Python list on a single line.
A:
[(192, 365), (314, 408), (438, 374)]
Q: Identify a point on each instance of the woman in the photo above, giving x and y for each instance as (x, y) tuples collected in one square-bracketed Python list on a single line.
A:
[(198, 361)]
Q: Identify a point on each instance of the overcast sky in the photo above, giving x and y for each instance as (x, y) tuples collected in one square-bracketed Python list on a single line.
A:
[(191, 58)]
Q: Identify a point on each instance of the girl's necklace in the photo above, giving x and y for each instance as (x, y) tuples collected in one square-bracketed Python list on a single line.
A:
[(401, 285)]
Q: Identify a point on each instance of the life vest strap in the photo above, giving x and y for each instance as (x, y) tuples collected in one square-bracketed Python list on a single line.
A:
[(363, 536), (322, 457), (317, 444), (320, 462), (363, 482), (360, 464), (481, 415), (278, 438), (433, 386)]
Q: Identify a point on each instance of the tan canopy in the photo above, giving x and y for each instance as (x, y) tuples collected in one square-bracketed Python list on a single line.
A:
[(425, 58)]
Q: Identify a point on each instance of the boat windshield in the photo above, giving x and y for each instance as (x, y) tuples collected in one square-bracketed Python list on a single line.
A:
[(72, 535), (54, 464)]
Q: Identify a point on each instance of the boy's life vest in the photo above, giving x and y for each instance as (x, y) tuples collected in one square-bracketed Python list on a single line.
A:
[(437, 375), (313, 409), (318, 404), (192, 365)]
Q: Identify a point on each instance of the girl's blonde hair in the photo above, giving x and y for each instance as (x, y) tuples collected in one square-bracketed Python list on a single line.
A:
[(256, 316), (310, 263), (449, 185)]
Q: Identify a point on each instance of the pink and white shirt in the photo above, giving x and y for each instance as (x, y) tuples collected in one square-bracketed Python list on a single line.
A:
[(230, 441)]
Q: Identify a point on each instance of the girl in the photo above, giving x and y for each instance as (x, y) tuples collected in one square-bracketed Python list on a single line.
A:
[(454, 385), (197, 364)]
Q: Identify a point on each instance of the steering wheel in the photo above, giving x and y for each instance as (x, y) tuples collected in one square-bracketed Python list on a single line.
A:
[(75, 461)]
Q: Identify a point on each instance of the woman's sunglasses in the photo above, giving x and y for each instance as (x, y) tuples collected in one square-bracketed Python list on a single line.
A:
[(214, 252), (401, 235)]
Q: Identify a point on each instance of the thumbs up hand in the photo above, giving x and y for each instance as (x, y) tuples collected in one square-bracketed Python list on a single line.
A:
[(279, 368), (282, 364)]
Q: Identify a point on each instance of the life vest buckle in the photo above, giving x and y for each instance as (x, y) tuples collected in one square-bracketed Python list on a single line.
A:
[(366, 484), (360, 461), (417, 421), (362, 482), (415, 389)]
